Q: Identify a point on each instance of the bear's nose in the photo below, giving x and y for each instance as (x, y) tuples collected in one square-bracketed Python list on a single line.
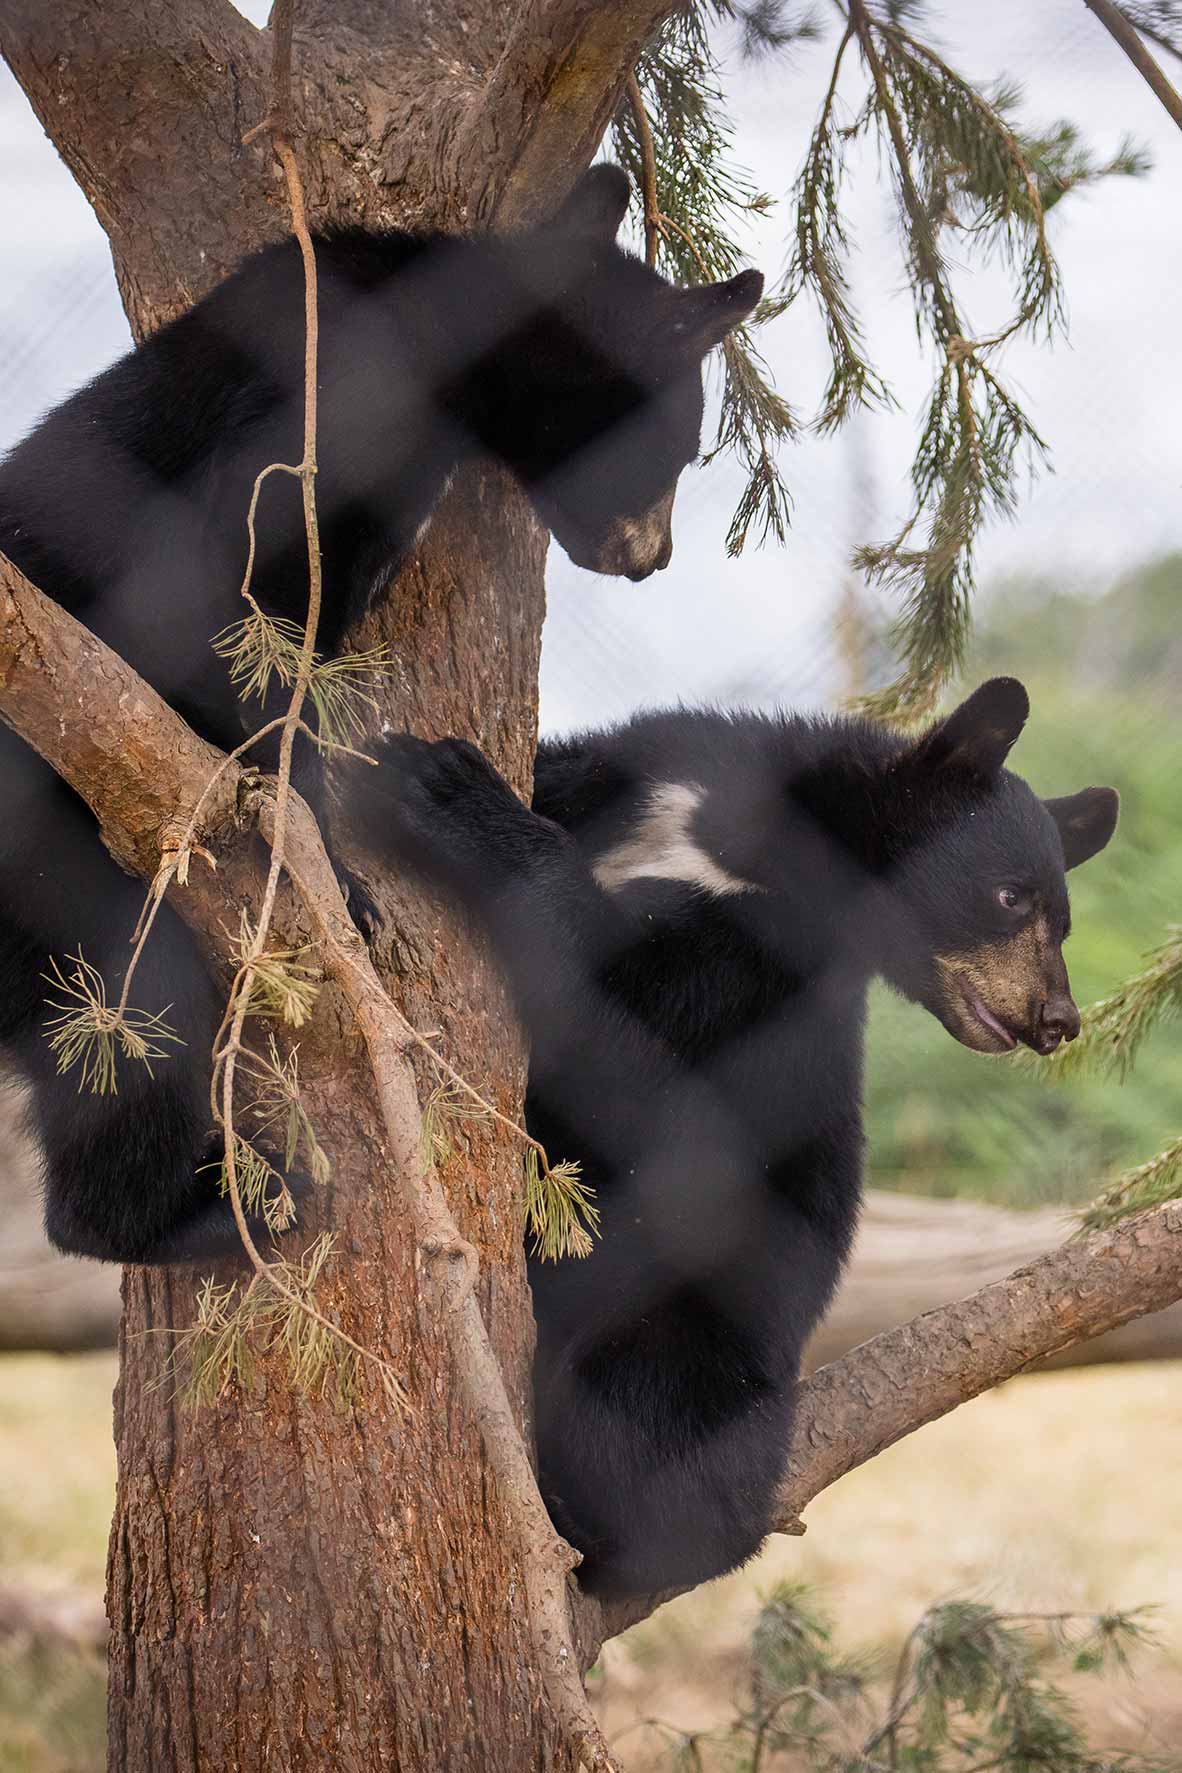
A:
[(1058, 1019)]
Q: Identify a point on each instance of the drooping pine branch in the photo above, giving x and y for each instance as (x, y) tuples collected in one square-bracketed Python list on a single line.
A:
[(679, 151)]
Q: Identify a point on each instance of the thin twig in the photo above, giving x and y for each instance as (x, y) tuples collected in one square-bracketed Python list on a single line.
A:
[(1120, 27), (648, 168)]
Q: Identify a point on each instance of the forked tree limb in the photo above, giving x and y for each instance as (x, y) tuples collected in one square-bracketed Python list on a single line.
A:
[(551, 96), (143, 100), (414, 115)]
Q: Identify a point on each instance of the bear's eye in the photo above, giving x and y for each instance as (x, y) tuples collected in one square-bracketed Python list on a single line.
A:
[(1012, 898)]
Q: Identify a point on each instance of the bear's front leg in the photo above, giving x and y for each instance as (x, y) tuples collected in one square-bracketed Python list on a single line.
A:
[(441, 809)]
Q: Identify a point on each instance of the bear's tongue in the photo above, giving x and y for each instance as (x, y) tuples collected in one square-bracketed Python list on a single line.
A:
[(991, 1022)]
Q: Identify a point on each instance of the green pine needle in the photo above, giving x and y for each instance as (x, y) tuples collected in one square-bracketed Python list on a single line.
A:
[(1115, 1027), (447, 1109), (237, 1328), (966, 1693), (704, 196), (279, 1112), (1151, 1184), (283, 986), (89, 1034)]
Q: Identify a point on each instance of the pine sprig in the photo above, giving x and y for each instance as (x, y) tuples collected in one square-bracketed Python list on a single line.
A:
[(262, 1189), (90, 1034), (1151, 1184), (820, 260), (967, 1693), (283, 985), (1115, 1027), (560, 1213), (955, 161), (236, 1329), (261, 649), (1158, 20), (279, 1112)]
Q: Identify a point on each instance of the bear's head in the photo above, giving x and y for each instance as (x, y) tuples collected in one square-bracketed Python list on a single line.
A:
[(977, 887), (602, 380)]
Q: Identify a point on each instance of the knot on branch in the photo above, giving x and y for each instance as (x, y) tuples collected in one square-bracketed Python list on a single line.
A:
[(451, 1265)]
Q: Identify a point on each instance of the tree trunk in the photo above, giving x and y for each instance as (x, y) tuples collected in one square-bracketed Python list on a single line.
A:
[(293, 1584)]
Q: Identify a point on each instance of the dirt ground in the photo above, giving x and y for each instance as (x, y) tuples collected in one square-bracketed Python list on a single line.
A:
[(1059, 1491)]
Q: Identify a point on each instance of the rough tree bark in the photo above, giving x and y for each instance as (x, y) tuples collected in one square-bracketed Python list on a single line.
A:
[(289, 1585)]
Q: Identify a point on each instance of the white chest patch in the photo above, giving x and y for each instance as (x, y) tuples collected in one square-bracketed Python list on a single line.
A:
[(662, 847)]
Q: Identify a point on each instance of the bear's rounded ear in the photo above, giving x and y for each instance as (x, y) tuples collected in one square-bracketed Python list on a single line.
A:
[(980, 734), (597, 204), (703, 316), (1086, 822)]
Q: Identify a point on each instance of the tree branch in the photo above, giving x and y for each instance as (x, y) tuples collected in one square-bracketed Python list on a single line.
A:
[(906, 1377), (1115, 22), (146, 103), (551, 95)]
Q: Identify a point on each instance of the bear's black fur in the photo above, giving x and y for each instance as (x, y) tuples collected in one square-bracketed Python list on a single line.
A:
[(689, 920), (552, 351)]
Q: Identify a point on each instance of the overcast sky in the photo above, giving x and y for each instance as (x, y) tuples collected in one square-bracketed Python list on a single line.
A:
[(1106, 398)]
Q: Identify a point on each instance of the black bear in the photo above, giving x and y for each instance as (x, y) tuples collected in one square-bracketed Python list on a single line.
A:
[(553, 351), (689, 919)]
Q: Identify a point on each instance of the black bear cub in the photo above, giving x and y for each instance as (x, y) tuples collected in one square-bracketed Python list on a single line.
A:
[(552, 351), (689, 919)]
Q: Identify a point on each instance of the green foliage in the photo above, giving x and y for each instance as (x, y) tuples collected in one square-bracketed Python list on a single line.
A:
[(963, 168), (90, 1034), (261, 1188), (1115, 1027), (1158, 20), (966, 1693), (278, 1110), (283, 985), (1150, 1184), (237, 1327)]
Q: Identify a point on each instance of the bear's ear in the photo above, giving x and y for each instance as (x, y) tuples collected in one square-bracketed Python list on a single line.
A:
[(980, 734), (597, 204), (1086, 822), (703, 316)]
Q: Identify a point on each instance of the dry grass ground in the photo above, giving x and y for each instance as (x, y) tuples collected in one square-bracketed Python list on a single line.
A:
[(1057, 1491)]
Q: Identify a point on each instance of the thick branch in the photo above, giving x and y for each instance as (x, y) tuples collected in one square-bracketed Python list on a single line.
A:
[(137, 765), (146, 102), (553, 90), (1115, 22)]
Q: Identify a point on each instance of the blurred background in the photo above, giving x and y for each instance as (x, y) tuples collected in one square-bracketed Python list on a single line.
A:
[(1059, 1490)]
